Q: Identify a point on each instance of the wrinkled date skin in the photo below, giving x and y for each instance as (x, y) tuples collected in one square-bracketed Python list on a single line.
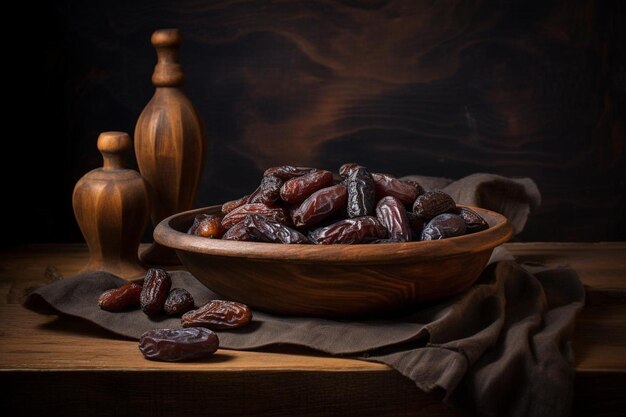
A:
[(264, 230), (178, 302), (229, 206), (433, 203), (122, 298), (361, 193), (285, 172), (417, 185), (156, 288), (320, 205), (364, 229), (207, 225), (391, 213), (175, 345), (444, 226), (239, 232), (296, 190), (218, 315), (276, 214), (473, 222), (268, 192), (386, 185), (346, 169)]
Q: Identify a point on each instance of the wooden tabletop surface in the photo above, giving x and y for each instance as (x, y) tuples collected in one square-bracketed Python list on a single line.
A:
[(72, 367)]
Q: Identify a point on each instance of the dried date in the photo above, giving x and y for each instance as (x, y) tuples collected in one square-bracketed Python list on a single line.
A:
[(285, 172), (417, 185), (174, 345), (444, 226), (263, 230), (433, 203), (268, 192), (239, 232), (356, 230), (122, 298), (178, 302), (156, 288), (296, 190), (473, 222), (218, 315), (320, 205), (207, 225), (361, 193), (346, 169), (386, 185), (276, 214), (391, 213), (233, 204)]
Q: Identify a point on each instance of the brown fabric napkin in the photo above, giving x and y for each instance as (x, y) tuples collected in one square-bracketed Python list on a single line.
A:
[(500, 349)]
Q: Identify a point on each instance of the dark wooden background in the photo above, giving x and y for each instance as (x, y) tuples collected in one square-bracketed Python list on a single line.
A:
[(444, 88)]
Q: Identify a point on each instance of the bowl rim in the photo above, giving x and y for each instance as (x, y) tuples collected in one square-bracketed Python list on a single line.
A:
[(499, 232)]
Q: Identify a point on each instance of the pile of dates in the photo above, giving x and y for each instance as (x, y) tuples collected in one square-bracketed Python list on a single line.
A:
[(155, 297), (309, 205)]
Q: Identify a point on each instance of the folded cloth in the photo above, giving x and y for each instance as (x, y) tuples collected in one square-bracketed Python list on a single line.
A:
[(500, 349)]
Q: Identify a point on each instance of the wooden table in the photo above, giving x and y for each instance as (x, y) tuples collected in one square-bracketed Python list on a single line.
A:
[(67, 367)]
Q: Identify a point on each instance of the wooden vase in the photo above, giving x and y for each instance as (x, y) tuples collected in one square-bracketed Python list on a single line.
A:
[(169, 142), (111, 205)]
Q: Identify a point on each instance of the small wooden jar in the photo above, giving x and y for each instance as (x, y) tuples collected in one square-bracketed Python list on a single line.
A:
[(112, 207)]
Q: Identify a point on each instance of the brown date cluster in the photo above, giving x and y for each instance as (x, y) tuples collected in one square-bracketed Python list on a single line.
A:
[(156, 297), (309, 205)]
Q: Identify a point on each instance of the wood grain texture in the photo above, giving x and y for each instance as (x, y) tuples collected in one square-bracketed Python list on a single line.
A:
[(600, 344), (112, 205), (64, 366), (519, 88), (336, 281), (600, 265), (170, 141)]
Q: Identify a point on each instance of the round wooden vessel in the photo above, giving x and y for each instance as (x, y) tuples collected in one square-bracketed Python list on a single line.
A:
[(336, 281)]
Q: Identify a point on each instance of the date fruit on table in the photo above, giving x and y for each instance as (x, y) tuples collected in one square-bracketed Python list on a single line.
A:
[(218, 315), (122, 298), (175, 345), (156, 288), (178, 302)]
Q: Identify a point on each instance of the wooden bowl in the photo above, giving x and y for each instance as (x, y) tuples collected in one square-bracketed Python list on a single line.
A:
[(335, 281)]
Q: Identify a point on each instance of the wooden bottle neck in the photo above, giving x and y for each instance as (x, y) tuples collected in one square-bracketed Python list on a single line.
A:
[(114, 147), (168, 72), (113, 161)]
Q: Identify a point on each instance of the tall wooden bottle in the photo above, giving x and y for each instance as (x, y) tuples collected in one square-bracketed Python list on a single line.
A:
[(111, 205), (169, 142)]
